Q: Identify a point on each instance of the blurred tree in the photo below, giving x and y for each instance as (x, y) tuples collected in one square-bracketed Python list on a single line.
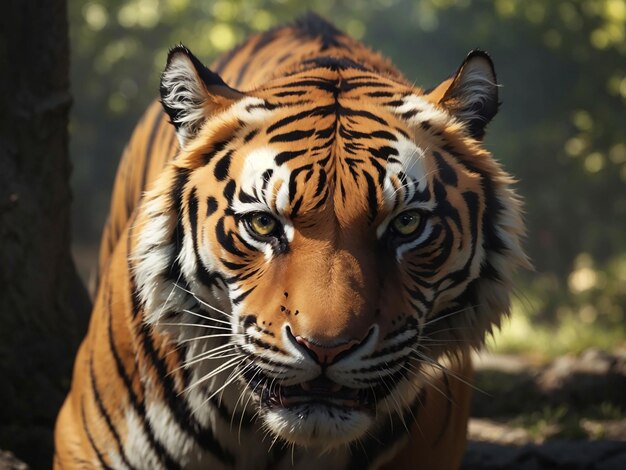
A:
[(43, 304)]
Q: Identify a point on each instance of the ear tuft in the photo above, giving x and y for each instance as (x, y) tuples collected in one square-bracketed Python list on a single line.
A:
[(190, 92), (472, 96)]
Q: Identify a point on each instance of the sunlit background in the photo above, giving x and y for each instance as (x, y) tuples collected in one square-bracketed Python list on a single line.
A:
[(561, 129)]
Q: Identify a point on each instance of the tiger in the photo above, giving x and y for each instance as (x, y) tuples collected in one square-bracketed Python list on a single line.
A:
[(302, 252)]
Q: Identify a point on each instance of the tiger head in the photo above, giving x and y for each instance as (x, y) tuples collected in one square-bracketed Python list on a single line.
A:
[(332, 230)]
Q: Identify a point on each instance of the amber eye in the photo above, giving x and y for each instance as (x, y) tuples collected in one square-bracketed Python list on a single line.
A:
[(262, 224), (407, 223)]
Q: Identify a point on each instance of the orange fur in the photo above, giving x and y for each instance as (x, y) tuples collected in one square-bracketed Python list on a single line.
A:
[(326, 138)]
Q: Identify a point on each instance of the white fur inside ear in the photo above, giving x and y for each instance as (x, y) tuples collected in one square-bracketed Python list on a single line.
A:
[(185, 97), (475, 89)]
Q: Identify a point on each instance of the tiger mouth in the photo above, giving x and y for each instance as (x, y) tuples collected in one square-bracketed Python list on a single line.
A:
[(317, 392)]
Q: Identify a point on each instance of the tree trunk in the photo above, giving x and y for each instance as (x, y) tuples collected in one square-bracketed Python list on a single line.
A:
[(44, 306)]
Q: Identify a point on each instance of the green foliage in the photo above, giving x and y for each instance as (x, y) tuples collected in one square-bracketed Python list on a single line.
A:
[(560, 130), (562, 422), (552, 316)]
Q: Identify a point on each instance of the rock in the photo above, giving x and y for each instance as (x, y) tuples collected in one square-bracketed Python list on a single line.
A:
[(593, 377), (513, 386), (553, 455)]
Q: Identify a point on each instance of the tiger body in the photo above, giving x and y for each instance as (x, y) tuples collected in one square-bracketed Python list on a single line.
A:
[(332, 341)]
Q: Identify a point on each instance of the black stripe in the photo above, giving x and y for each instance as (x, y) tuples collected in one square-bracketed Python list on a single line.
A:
[(318, 111), (313, 82), (209, 279), (287, 155), (362, 113), (211, 206), (106, 416), (325, 133), (226, 239), (293, 183), (383, 152), (217, 148), (282, 94), (446, 172), (493, 207), (138, 406), (244, 197), (232, 266), (192, 214), (229, 191), (265, 345), (179, 408), (241, 277), (99, 455), (222, 166), (176, 196), (245, 243), (134, 293), (292, 136), (371, 197), (380, 170), (296, 207), (353, 84), (321, 182), (250, 135), (380, 94), (178, 187), (240, 298)]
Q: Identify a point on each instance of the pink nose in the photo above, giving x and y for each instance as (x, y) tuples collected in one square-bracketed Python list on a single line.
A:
[(326, 354)]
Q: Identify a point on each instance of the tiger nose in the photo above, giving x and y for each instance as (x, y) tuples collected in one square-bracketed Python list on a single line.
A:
[(326, 354)]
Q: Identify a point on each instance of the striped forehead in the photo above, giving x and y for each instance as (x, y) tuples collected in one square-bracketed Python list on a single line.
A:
[(267, 182), (349, 146)]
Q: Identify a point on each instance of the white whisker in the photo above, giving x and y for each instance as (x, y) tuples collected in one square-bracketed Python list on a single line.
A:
[(203, 302), (196, 325), (227, 365), (191, 312), (456, 312), (220, 335)]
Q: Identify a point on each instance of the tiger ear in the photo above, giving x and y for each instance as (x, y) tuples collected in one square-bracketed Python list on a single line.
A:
[(471, 95), (191, 93)]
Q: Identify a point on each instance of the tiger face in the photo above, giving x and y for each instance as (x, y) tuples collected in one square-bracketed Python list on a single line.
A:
[(334, 231)]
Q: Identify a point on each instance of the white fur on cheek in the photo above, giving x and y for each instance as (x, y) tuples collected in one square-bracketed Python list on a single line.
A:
[(153, 256)]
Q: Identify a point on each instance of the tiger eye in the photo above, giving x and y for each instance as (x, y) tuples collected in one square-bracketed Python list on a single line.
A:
[(263, 224), (407, 223)]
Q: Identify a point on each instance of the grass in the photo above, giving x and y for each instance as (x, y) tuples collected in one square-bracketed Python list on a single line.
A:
[(567, 423), (520, 335)]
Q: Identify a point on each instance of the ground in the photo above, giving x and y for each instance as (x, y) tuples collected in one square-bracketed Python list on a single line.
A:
[(567, 414)]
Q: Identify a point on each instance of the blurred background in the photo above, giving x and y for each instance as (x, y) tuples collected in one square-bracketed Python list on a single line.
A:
[(561, 129)]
